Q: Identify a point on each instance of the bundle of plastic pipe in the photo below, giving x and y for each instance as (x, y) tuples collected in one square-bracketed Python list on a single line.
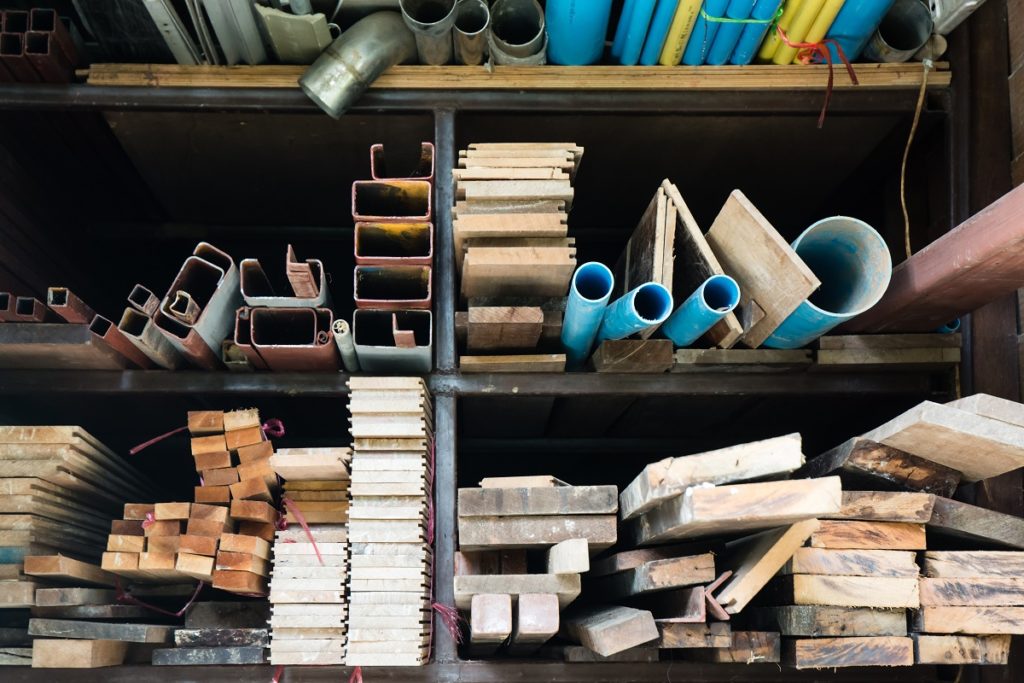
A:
[(713, 300)]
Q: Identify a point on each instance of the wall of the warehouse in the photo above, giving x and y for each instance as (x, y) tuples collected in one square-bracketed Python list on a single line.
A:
[(1015, 15)]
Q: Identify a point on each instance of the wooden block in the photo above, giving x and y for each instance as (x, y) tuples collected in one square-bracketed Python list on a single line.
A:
[(197, 566), (248, 436), (490, 618), (854, 535), (247, 418), (212, 495), (205, 527), (627, 559), (978, 524), (969, 620), (119, 562), (856, 342), (843, 591), (253, 511), (754, 560), (536, 622), (890, 563), (665, 479), (171, 511), (65, 569), (125, 527), (215, 443), (828, 653), (257, 529), (129, 633), (250, 489), (213, 461), (571, 556), (814, 621), (216, 513), (255, 452), (541, 362), (773, 280), (565, 586), (674, 635), (743, 360), (332, 533), (221, 477), (62, 597), (163, 544), (258, 469), (540, 531), (986, 591), (608, 630), (886, 506), (736, 508), (221, 637), (955, 564), (171, 527), (559, 500), (227, 615), (208, 656), (634, 355), (528, 482), (313, 464), (578, 653), (156, 561), (198, 545), (869, 464), (120, 543), (240, 582), (659, 575), (747, 647), (866, 359), (204, 422), (16, 594), (961, 649), (15, 656), (138, 511), (476, 563), (242, 562), (238, 543), (77, 654), (503, 327)]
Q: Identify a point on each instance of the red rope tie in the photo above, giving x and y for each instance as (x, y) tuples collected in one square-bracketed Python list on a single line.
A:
[(273, 428), (811, 52), (278, 672), (123, 596), (294, 509), (149, 521), (357, 675), (156, 439), (451, 619)]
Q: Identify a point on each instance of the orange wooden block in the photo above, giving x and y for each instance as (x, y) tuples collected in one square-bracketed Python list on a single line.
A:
[(203, 422), (166, 511), (252, 489), (198, 545), (222, 477), (126, 527), (170, 527), (118, 543), (239, 582), (213, 461), (258, 529), (215, 443), (258, 451), (213, 495), (115, 562), (216, 513), (242, 562), (163, 544), (206, 527), (238, 438), (197, 566), (239, 543), (156, 561), (258, 469), (137, 511)]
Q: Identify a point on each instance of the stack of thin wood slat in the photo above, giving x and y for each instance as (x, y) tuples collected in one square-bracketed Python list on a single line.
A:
[(513, 252), (309, 608), (218, 633), (390, 528)]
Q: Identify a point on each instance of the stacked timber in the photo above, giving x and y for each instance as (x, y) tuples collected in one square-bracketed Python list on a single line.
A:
[(513, 252), (309, 607), (232, 456), (217, 633), (389, 529)]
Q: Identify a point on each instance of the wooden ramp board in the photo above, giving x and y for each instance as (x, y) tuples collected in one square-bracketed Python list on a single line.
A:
[(856, 535), (743, 360), (686, 636), (609, 630), (657, 575), (886, 506), (842, 591), (977, 524), (77, 654), (560, 500), (748, 647), (540, 531), (737, 508), (767, 459), (814, 621), (828, 653), (565, 586), (884, 563), (961, 649), (969, 620), (959, 564), (980, 591)]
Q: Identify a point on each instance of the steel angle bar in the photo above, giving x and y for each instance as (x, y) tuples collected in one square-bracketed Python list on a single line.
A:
[(392, 287), (177, 37), (12, 54), (295, 339), (374, 337), (391, 200), (28, 309), (142, 332), (105, 330), (64, 303), (382, 244), (243, 338), (143, 300), (7, 306), (48, 21), (46, 58), (424, 169), (234, 23), (257, 289)]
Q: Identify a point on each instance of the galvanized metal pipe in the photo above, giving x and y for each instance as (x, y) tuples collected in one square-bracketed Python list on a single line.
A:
[(355, 59), (431, 21), (645, 307), (346, 346), (713, 300), (472, 19), (517, 34), (903, 31), (589, 293)]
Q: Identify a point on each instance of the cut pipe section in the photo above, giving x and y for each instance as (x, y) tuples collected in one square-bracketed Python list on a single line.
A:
[(852, 261), (424, 170), (384, 244), (391, 200), (294, 339), (105, 330), (517, 35), (392, 287), (64, 303), (713, 300), (140, 330), (951, 327), (346, 345), (431, 22), (374, 336), (472, 19), (589, 293), (645, 307), (903, 31)]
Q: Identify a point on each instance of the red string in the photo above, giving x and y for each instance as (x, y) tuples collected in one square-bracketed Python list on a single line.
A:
[(123, 596), (357, 675), (278, 672), (282, 521), (149, 521), (273, 428), (809, 52), (157, 439), (451, 618), (294, 509)]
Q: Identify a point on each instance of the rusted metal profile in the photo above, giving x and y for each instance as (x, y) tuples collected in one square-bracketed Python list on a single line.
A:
[(295, 339), (48, 21), (392, 287), (185, 308), (243, 338), (105, 330), (143, 300), (64, 303), (257, 289), (56, 346), (7, 306), (142, 332), (424, 169), (46, 58), (382, 244), (376, 201), (234, 358), (12, 54), (28, 309), (302, 275), (374, 333)]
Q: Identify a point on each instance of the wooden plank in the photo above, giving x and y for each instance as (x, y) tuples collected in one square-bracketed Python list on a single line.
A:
[(528, 482), (648, 250), (517, 271), (860, 342), (208, 656), (253, 511), (743, 360), (559, 500), (248, 436), (686, 636), (240, 582), (890, 563), (978, 524), (748, 647), (565, 586), (91, 630), (238, 543), (969, 620), (608, 630), (578, 653), (213, 461), (216, 494), (869, 464), (482, 533), (659, 575), (855, 535), (539, 362), (961, 649), (110, 612), (65, 569), (986, 405), (773, 280), (214, 443), (58, 597), (537, 621), (571, 556), (633, 355), (246, 418), (665, 479), (15, 656), (222, 477), (310, 466), (627, 559), (205, 422), (983, 591), (77, 654), (221, 637), (754, 560), (471, 190), (815, 621), (737, 508), (886, 506), (956, 564), (199, 567), (883, 359), (255, 452), (828, 653), (490, 621), (227, 615), (503, 327), (16, 594), (843, 591)]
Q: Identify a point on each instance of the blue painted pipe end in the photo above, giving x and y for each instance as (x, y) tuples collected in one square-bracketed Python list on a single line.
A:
[(593, 281), (653, 303), (721, 294), (950, 327), (589, 292), (713, 300), (644, 307)]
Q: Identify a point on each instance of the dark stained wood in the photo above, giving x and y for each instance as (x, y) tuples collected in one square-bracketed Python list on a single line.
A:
[(221, 637), (861, 461), (208, 656), (682, 635), (977, 524), (816, 621)]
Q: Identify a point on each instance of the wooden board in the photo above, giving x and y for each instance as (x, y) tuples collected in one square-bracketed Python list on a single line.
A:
[(527, 482), (843, 591), (65, 569), (678, 636), (204, 422), (855, 535), (860, 342), (633, 355), (737, 508), (77, 654), (665, 479), (482, 533), (815, 621), (754, 560), (503, 327), (517, 271), (559, 500), (961, 649), (129, 633), (994, 407), (649, 251), (982, 591), (608, 630), (565, 586), (885, 563), (748, 647), (208, 656), (571, 556), (490, 619), (743, 360), (978, 524), (59, 597), (954, 564), (886, 506), (658, 575), (578, 653), (328, 466), (969, 620), (883, 359), (773, 280), (627, 559), (537, 621), (828, 653), (869, 464), (539, 362)]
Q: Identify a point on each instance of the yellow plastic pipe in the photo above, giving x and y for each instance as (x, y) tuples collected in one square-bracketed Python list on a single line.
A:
[(679, 32), (802, 21), (772, 41), (823, 22)]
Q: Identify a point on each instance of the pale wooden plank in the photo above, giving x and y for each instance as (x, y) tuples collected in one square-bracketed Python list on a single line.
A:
[(608, 630), (827, 653)]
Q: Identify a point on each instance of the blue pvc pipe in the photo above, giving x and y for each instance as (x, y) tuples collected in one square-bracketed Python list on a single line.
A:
[(637, 22), (620, 28), (576, 30), (703, 34), (950, 327), (589, 293), (853, 263), (753, 34), (855, 24), (729, 34), (656, 35), (713, 300), (646, 306)]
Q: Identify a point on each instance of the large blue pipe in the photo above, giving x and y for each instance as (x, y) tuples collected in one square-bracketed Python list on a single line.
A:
[(714, 299), (644, 307), (656, 35), (632, 30), (853, 263), (704, 32), (855, 24), (950, 327), (753, 34), (728, 33), (576, 30), (589, 293)]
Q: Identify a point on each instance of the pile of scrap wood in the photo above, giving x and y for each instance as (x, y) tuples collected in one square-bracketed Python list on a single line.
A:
[(513, 253)]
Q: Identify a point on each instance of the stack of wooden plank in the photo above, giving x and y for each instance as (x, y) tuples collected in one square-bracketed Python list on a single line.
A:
[(390, 529), (310, 568), (513, 252), (232, 456), (217, 633), (145, 545)]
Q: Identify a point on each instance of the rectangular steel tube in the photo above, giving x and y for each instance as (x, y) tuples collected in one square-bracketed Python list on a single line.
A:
[(382, 244), (424, 169), (143, 300), (28, 309), (243, 338), (105, 330), (14, 21), (142, 332), (7, 306), (64, 303), (46, 58), (392, 287), (12, 54), (374, 335), (284, 340), (48, 21), (392, 200)]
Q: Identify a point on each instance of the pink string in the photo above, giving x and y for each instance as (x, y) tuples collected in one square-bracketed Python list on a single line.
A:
[(449, 615), (149, 521), (123, 596), (278, 672), (294, 509), (357, 675), (273, 428), (157, 439)]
